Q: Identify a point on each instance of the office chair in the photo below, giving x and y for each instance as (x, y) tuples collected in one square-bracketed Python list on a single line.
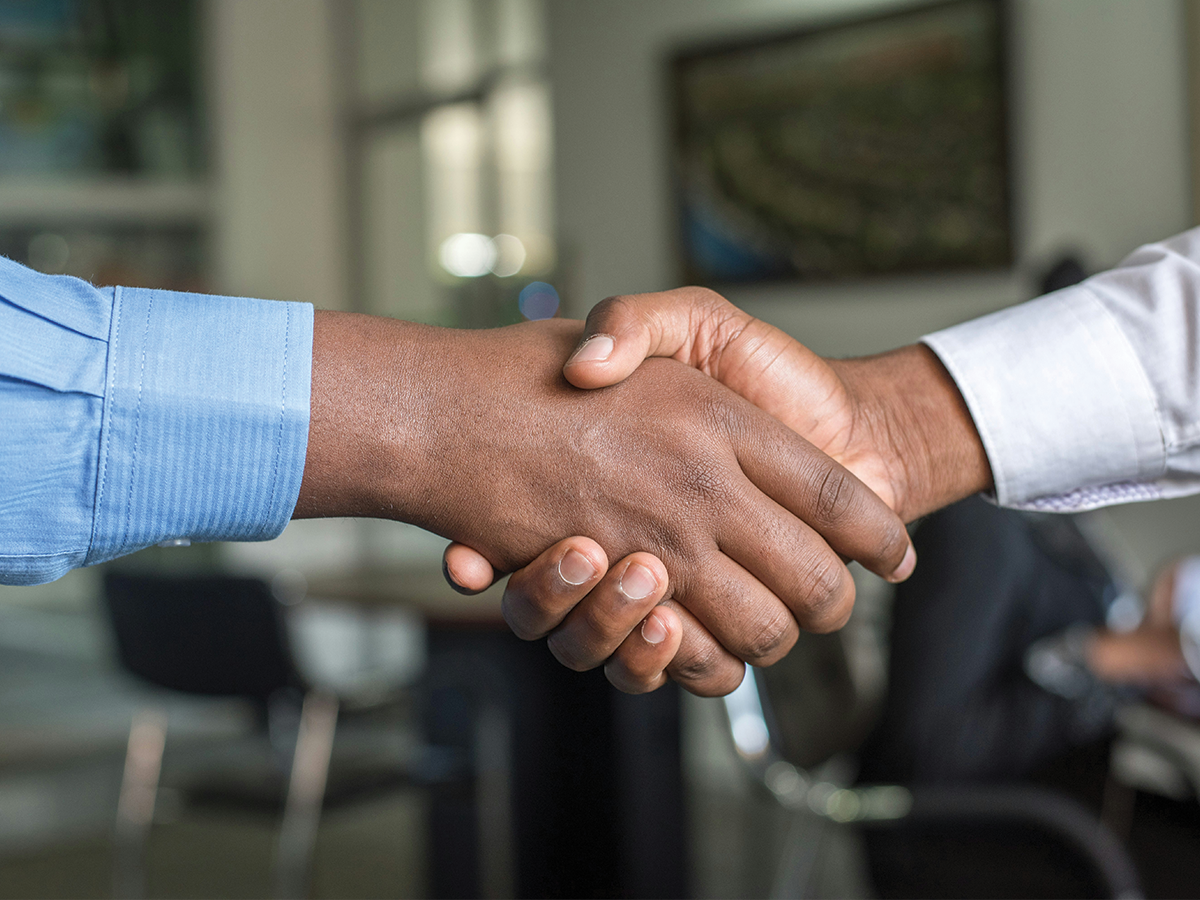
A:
[(781, 742), (218, 636)]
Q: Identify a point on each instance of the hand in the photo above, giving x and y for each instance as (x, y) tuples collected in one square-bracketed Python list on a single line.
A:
[(476, 436), (1152, 653), (896, 420), (1146, 656)]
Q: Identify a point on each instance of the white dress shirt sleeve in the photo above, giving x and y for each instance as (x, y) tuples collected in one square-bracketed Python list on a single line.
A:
[(1091, 395)]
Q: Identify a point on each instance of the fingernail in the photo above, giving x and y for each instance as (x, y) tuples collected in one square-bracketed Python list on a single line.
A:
[(906, 566), (637, 582), (594, 349), (653, 630), (575, 568)]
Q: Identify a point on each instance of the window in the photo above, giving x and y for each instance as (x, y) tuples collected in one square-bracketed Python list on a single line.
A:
[(451, 155)]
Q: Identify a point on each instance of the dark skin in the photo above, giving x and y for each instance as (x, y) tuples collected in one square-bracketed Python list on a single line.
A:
[(477, 436), (897, 420)]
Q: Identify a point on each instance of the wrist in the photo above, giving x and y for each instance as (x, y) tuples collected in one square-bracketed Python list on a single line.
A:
[(369, 418), (446, 429), (907, 405)]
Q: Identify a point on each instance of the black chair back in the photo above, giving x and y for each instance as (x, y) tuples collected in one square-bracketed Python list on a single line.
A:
[(213, 635)]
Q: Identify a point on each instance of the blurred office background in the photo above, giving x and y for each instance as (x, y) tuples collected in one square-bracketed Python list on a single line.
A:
[(468, 162)]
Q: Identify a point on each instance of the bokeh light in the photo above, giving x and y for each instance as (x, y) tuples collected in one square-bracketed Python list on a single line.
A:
[(538, 300), (468, 255), (510, 255)]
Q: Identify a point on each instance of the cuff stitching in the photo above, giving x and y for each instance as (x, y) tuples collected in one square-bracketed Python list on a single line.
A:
[(137, 423), (106, 417), (287, 339)]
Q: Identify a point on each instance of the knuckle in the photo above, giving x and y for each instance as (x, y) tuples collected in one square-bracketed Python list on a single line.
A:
[(725, 417), (835, 494), (697, 665), (893, 544), (708, 301), (609, 311), (716, 411), (601, 625), (706, 670), (827, 596), (523, 631), (772, 639), (721, 683), (707, 482)]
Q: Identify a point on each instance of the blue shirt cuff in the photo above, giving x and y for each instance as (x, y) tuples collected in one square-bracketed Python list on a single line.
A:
[(205, 420)]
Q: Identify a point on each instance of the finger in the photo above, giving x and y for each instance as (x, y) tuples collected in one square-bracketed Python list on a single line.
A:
[(822, 493), (736, 609), (466, 570), (702, 666), (612, 610), (620, 332), (639, 665), (539, 596), (795, 567)]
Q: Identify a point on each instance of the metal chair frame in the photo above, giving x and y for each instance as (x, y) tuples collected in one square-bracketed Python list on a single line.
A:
[(760, 750)]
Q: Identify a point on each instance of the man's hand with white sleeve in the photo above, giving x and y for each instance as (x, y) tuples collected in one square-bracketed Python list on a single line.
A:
[(896, 420)]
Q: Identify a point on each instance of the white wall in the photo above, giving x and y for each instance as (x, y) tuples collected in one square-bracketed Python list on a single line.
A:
[(1099, 124), (277, 151)]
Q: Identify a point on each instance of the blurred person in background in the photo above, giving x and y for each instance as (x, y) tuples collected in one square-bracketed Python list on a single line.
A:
[(1011, 654)]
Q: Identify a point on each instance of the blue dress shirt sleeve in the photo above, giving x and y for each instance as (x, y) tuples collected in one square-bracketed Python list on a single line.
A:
[(129, 417)]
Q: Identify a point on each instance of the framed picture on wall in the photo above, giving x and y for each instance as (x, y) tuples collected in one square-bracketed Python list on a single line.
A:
[(866, 148)]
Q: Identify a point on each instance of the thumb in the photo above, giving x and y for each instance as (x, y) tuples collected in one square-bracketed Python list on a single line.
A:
[(621, 332)]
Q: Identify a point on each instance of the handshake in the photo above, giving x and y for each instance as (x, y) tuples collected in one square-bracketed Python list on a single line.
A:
[(731, 476)]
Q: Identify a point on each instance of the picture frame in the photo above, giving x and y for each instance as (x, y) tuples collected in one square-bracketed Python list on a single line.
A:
[(860, 148)]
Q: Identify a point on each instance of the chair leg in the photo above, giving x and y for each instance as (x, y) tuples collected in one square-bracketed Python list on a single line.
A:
[(306, 793), (135, 806), (794, 872), (493, 804)]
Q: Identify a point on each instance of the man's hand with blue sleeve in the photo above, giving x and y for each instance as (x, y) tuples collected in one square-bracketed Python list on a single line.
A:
[(132, 417)]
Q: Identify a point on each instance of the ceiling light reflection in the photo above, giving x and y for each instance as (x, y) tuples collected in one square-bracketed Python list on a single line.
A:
[(468, 255), (510, 255)]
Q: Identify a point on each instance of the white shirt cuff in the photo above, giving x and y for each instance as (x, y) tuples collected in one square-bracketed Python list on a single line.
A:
[(1063, 407)]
